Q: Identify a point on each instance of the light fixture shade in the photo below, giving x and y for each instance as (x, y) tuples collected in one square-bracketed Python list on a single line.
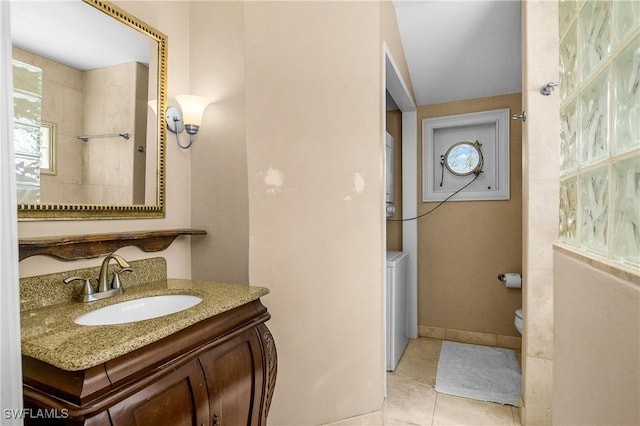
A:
[(153, 104), (192, 108)]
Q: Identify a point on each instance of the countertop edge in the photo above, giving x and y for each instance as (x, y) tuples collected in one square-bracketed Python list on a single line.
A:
[(50, 335)]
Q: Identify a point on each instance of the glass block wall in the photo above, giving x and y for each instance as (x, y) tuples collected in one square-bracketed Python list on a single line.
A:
[(600, 127), (27, 112)]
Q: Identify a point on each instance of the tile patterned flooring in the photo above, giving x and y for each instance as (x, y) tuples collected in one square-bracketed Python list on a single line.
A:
[(412, 399)]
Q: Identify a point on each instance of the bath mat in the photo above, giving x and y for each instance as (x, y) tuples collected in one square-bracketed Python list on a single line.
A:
[(479, 372)]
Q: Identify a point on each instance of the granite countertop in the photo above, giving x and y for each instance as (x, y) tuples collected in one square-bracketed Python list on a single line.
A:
[(50, 335)]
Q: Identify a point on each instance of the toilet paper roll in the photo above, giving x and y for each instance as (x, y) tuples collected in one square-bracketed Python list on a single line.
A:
[(511, 279)]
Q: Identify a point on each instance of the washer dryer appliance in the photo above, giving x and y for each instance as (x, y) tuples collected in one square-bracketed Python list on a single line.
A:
[(397, 332)]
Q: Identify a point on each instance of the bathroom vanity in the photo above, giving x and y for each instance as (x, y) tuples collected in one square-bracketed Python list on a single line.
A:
[(211, 364)]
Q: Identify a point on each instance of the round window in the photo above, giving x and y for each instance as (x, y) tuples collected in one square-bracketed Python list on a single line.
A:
[(464, 158)]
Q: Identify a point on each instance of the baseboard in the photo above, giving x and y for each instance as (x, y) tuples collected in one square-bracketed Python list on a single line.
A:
[(473, 337)]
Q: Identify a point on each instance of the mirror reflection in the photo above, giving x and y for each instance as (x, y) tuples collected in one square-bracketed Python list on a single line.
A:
[(93, 81)]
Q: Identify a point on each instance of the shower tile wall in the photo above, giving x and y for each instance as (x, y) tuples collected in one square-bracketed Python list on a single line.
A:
[(65, 111), (109, 108), (74, 101), (600, 128)]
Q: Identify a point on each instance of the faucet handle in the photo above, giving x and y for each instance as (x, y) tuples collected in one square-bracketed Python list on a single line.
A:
[(115, 282), (87, 288)]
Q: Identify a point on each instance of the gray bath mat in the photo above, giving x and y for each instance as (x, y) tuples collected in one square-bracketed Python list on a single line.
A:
[(479, 372)]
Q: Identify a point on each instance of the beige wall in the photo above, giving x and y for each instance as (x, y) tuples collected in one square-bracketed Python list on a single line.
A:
[(464, 245), (596, 376), (297, 133), (394, 229), (540, 206), (314, 143), (220, 195), (171, 18)]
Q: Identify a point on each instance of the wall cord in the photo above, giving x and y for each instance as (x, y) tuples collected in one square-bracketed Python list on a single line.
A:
[(439, 204)]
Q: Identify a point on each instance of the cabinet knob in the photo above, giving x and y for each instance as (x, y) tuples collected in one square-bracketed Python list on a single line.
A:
[(216, 422)]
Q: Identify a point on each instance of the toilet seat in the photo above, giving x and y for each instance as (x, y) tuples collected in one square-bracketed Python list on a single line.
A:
[(518, 320)]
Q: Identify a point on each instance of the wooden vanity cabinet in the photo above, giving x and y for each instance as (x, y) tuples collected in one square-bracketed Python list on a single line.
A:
[(179, 398), (220, 371), (230, 372)]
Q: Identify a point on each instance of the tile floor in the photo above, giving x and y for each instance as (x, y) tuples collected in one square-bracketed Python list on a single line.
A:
[(412, 400)]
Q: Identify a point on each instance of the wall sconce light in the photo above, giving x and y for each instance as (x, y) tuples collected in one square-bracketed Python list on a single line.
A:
[(189, 119), (153, 104)]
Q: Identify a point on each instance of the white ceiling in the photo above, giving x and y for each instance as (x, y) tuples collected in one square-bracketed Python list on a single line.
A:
[(455, 50), (460, 50), (76, 34)]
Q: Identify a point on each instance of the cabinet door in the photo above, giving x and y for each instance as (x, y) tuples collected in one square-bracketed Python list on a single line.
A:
[(179, 398), (233, 374)]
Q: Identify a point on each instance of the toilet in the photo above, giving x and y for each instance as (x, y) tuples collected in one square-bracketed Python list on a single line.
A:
[(518, 320)]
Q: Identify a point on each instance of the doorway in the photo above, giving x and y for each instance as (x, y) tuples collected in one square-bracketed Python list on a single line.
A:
[(396, 92)]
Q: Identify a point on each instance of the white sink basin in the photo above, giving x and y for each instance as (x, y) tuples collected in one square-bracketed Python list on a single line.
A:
[(139, 309)]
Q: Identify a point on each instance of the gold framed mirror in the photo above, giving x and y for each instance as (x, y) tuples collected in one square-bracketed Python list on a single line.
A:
[(100, 74)]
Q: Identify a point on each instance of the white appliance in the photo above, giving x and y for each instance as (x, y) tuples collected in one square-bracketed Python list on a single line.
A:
[(388, 176), (397, 306)]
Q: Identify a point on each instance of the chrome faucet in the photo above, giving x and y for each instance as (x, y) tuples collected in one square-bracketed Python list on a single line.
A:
[(104, 289), (103, 284)]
